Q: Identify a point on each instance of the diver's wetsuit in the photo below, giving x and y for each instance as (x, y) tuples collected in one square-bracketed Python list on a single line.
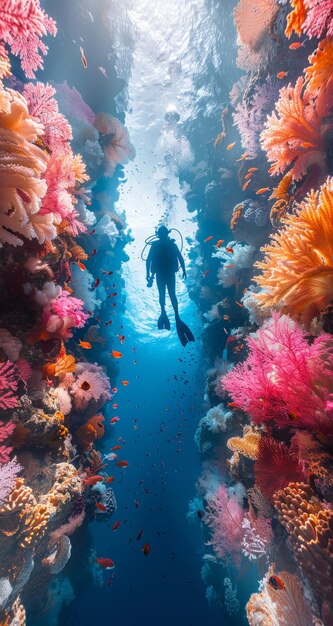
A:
[(163, 261)]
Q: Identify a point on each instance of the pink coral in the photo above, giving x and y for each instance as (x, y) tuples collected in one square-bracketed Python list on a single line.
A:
[(91, 384), (43, 106), (8, 474), (319, 18), (258, 535), (284, 378), (5, 432), (254, 18), (22, 24), (8, 385), (225, 518), (116, 142), (64, 313), (72, 103)]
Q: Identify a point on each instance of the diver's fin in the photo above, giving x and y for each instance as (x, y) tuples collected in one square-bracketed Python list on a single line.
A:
[(163, 322), (184, 333)]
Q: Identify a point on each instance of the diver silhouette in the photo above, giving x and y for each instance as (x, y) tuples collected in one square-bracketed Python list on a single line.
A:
[(163, 261)]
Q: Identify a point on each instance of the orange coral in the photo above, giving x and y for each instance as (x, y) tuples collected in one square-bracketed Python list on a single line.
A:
[(281, 195), (63, 365), (320, 72), (291, 137), (296, 18), (247, 445), (297, 270), (90, 431), (253, 19)]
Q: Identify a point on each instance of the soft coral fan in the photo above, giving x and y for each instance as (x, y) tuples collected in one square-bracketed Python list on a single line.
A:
[(253, 20), (22, 24), (43, 106), (22, 165), (116, 142), (312, 17), (8, 385), (225, 517), (291, 137), (284, 378), (297, 270), (320, 70)]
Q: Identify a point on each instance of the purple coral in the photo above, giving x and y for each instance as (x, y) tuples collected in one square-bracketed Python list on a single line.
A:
[(91, 384), (8, 385), (225, 518)]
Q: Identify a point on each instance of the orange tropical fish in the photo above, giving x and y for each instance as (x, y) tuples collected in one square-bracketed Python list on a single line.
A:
[(92, 480), (281, 75), (245, 186), (233, 405), (262, 190), (208, 239), (124, 382), (106, 563), (248, 175), (116, 526), (116, 354), (81, 266), (101, 507), (114, 389), (109, 479), (219, 243), (115, 405), (85, 344), (307, 144), (239, 304), (122, 464), (231, 145), (114, 419), (83, 58), (226, 318), (146, 549), (96, 283), (244, 156), (116, 448), (277, 583), (296, 45), (230, 250), (253, 169), (232, 265)]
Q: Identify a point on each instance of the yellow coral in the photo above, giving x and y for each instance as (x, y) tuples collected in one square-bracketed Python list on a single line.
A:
[(296, 18), (297, 270), (248, 445)]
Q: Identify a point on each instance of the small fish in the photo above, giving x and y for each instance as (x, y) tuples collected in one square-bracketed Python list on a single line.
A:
[(232, 338), (230, 250), (85, 344), (219, 243), (116, 354), (232, 265), (81, 266), (226, 318), (231, 145), (114, 389), (111, 456), (139, 535), (248, 175), (115, 526), (106, 563), (122, 464), (101, 507), (83, 58), (93, 253), (114, 420), (92, 480), (239, 304), (146, 549), (208, 239), (296, 45), (253, 169), (262, 190), (277, 583), (109, 479), (92, 232), (121, 338), (115, 405), (116, 448), (307, 144), (245, 186), (107, 273), (281, 75), (233, 405), (124, 382), (225, 330), (103, 70), (96, 283), (206, 273), (85, 385), (243, 157), (137, 504)]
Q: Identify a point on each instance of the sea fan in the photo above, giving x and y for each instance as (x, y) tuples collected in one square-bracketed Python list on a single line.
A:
[(319, 18), (291, 137), (297, 270), (225, 516), (116, 142), (8, 385), (275, 466), (257, 537), (284, 378), (43, 106), (253, 20), (320, 72), (22, 24)]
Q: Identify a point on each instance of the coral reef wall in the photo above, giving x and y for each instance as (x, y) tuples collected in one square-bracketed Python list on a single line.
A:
[(263, 283), (55, 291)]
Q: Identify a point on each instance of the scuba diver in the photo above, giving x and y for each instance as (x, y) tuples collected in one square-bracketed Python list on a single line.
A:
[(163, 262)]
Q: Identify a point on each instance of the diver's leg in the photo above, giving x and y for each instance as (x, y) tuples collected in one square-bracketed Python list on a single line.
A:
[(171, 285), (161, 285)]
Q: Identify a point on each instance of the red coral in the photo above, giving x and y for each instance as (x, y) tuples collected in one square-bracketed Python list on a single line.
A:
[(275, 466), (5, 432), (22, 24), (8, 385), (42, 104)]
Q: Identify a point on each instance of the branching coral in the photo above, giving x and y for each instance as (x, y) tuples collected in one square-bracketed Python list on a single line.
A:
[(22, 24), (297, 269), (257, 535), (8, 385), (312, 17), (43, 106), (279, 607), (291, 137), (310, 529), (5, 432), (225, 516), (284, 378)]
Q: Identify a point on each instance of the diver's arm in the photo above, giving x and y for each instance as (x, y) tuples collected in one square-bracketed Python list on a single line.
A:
[(182, 262)]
